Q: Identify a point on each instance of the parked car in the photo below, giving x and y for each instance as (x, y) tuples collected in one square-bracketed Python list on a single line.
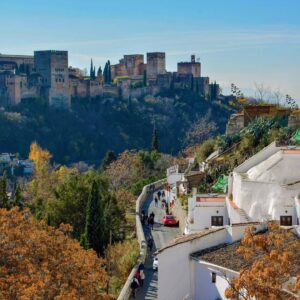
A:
[(155, 263), (169, 220)]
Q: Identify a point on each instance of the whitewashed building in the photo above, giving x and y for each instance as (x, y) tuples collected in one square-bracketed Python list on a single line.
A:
[(206, 211), (267, 186), (181, 276)]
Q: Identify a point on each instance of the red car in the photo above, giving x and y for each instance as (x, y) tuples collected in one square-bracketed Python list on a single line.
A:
[(169, 220)]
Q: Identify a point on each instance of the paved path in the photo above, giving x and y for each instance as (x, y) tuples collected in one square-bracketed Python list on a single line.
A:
[(161, 236)]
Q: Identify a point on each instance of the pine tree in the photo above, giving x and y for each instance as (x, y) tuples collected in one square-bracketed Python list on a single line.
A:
[(93, 236), (154, 144), (4, 200)]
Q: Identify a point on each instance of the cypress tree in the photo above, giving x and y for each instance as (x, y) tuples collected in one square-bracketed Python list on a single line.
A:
[(4, 200), (109, 157), (108, 72), (113, 218), (99, 73), (154, 144), (105, 73), (17, 199), (91, 68), (93, 235)]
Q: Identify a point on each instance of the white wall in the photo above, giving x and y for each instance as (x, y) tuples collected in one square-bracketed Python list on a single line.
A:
[(233, 215), (262, 200), (175, 275), (205, 289), (236, 232), (173, 178), (297, 205), (202, 216)]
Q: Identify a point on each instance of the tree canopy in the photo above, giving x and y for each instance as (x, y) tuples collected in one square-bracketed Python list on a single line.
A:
[(45, 262), (271, 259)]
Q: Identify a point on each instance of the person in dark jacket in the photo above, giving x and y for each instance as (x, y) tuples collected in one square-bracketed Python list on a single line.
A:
[(159, 194), (134, 285), (150, 243)]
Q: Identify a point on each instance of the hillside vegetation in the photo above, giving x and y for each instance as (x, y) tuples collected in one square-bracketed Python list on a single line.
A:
[(236, 148), (94, 126)]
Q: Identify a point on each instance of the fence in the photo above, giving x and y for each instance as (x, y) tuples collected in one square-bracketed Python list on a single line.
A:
[(126, 290)]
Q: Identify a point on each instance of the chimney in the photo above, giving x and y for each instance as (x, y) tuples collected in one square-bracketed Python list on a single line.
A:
[(193, 59)]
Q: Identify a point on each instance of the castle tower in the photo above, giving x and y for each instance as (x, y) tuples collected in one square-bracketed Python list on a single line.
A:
[(156, 64), (53, 67)]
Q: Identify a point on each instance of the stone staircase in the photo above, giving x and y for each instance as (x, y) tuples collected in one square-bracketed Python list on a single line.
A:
[(244, 217)]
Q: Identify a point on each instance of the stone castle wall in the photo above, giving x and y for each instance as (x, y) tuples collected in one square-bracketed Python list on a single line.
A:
[(133, 64), (193, 68)]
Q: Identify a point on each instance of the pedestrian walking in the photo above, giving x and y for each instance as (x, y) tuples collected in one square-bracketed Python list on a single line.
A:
[(143, 276), (141, 266), (150, 243), (156, 201), (151, 221), (137, 275), (146, 219), (163, 193), (173, 202), (159, 194), (134, 285), (143, 217)]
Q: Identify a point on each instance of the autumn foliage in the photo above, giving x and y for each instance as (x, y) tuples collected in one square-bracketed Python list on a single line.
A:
[(40, 262), (272, 259)]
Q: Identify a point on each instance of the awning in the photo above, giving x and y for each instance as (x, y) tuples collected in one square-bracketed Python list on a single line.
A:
[(221, 184)]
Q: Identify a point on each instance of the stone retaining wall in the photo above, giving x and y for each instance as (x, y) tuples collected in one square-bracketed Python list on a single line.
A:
[(126, 291)]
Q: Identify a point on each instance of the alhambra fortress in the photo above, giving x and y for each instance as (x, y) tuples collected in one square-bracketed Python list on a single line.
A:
[(47, 74)]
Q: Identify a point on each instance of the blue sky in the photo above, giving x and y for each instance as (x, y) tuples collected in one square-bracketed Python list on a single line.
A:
[(238, 41)]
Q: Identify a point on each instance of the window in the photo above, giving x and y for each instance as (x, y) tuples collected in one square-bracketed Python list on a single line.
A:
[(285, 220), (217, 221), (213, 277)]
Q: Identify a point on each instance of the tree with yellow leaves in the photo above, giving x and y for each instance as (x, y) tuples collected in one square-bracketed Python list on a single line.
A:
[(41, 190), (271, 260), (40, 157), (40, 262)]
